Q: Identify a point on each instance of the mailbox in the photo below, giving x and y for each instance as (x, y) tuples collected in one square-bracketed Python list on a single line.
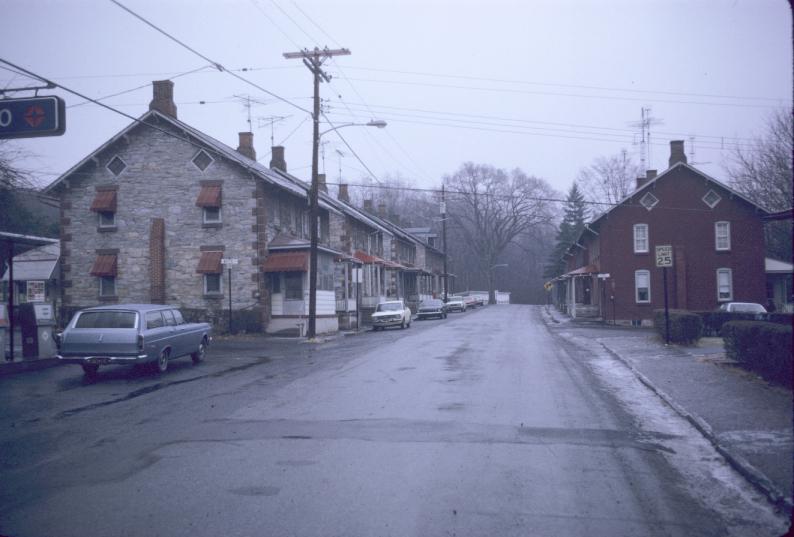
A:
[(37, 323)]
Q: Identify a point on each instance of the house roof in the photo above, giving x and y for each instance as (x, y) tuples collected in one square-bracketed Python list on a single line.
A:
[(775, 266), (36, 264)]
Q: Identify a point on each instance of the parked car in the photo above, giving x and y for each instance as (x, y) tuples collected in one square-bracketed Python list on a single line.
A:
[(456, 303), (131, 334), (471, 301), (432, 308), (391, 313), (742, 307)]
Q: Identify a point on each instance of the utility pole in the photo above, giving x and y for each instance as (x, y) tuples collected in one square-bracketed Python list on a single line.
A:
[(313, 59), (444, 235)]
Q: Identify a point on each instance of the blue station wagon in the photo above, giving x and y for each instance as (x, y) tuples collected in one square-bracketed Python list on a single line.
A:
[(131, 334)]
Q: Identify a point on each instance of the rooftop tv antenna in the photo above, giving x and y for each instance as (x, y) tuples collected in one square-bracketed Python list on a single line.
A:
[(645, 137)]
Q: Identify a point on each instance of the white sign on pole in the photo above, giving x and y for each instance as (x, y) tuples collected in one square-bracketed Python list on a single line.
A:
[(229, 261), (664, 256), (357, 275), (603, 275)]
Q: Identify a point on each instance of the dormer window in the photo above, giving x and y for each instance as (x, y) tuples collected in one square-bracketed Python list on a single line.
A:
[(649, 201), (116, 166), (711, 199), (202, 160)]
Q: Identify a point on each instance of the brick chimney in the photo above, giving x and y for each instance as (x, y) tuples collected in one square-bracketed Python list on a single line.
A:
[(277, 161), (343, 193), (163, 98), (650, 175), (382, 210), (368, 206), (677, 152), (246, 146), (321, 183)]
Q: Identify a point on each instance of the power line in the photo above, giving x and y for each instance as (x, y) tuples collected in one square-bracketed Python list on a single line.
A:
[(215, 64)]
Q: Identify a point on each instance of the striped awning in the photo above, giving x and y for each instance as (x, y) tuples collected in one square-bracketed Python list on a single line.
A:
[(210, 263), (104, 265)]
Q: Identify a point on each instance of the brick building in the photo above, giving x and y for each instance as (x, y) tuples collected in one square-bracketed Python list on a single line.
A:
[(717, 237)]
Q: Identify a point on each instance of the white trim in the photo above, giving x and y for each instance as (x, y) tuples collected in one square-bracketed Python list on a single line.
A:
[(653, 201), (647, 273), (107, 166), (207, 221), (717, 236), (106, 226), (647, 239), (730, 285), (220, 283), (102, 292), (712, 205), (193, 160)]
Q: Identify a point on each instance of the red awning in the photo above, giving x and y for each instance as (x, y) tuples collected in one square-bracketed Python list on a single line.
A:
[(287, 262), (581, 271), (210, 196), (104, 265), (210, 263), (104, 201), (368, 259)]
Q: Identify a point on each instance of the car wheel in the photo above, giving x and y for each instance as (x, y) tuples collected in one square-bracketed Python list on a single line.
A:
[(162, 362), (199, 354), (90, 370)]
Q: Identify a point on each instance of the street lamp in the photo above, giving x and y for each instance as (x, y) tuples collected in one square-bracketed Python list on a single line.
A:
[(492, 291), (314, 215)]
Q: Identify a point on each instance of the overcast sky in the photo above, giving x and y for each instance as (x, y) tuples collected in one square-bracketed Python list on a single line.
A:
[(544, 86)]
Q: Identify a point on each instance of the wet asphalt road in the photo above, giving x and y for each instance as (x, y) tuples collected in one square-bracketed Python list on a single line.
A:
[(484, 424)]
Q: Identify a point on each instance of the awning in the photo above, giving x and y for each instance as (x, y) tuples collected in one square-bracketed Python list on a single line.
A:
[(104, 265), (104, 201), (287, 262), (210, 263), (36, 264), (210, 196), (392, 265), (582, 271), (369, 259)]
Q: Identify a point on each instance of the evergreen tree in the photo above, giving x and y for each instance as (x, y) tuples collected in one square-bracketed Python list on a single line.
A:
[(571, 226)]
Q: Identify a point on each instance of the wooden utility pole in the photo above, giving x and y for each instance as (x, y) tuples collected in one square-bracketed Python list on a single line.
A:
[(444, 233), (313, 59)]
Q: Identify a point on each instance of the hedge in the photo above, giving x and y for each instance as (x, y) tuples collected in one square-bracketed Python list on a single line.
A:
[(760, 346), (713, 320), (685, 326)]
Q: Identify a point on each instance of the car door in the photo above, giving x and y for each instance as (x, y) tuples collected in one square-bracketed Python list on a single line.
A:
[(156, 334), (175, 337)]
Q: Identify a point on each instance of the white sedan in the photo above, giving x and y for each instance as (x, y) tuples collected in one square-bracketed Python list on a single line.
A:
[(391, 313)]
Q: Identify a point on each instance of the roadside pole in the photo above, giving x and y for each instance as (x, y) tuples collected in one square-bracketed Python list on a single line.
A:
[(229, 261), (664, 259)]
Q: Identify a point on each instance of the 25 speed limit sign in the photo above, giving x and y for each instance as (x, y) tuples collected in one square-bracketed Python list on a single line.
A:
[(664, 256)]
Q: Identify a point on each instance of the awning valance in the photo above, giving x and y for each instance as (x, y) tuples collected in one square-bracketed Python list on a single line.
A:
[(210, 263), (287, 262), (582, 271), (104, 265)]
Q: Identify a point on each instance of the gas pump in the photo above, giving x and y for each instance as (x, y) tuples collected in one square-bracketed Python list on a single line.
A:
[(37, 321)]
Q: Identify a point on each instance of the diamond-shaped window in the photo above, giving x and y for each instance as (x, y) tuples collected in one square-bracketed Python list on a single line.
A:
[(116, 166), (202, 160), (649, 201), (711, 198)]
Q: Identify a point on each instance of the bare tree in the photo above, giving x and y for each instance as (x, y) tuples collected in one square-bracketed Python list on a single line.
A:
[(609, 179), (491, 207), (763, 172)]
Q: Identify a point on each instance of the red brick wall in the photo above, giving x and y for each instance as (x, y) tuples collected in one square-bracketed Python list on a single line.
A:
[(683, 220)]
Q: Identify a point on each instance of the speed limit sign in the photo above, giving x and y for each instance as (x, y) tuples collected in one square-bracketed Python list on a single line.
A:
[(664, 256)]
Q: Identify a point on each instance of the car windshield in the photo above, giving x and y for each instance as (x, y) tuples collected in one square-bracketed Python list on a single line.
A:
[(431, 304), (748, 308), (454, 299), (390, 306), (106, 319)]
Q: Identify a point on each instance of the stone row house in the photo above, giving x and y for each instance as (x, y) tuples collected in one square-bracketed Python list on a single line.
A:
[(164, 213), (716, 237)]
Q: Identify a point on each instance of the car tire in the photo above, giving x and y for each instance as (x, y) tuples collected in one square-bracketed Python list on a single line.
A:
[(162, 362), (90, 371), (198, 356)]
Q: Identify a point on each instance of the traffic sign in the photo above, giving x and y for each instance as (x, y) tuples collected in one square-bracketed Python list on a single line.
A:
[(664, 256), (229, 261), (33, 117)]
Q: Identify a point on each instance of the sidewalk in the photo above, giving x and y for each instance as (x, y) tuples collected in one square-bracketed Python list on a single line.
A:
[(748, 420)]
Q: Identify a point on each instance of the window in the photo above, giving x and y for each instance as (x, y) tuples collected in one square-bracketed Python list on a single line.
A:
[(640, 238), (711, 198), (116, 166), (722, 235), (154, 320), (107, 219), (642, 286), (107, 286), (212, 215), (178, 317), (275, 282), (107, 319), (293, 285), (169, 318), (724, 284), (202, 160), (213, 284), (649, 201)]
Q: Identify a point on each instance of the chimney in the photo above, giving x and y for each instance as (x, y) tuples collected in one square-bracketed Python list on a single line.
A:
[(649, 176), (321, 182), (343, 193), (677, 152), (277, 161), (163, 98), (368, 206), (246, 146), (382, 210)]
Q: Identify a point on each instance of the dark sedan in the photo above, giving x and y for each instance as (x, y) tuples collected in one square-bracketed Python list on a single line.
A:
[(431, 308)]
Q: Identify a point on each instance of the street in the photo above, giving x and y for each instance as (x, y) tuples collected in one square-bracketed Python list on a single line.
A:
[(487, 423)]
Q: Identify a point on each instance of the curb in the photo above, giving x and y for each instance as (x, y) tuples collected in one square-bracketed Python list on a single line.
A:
[(12, 368), (739, 463)]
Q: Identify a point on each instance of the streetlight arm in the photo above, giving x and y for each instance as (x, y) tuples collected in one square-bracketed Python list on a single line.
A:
[(379, 123)]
